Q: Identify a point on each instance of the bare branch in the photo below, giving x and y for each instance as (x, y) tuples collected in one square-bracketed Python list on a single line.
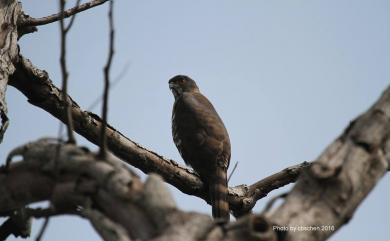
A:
[(142, 211), (108, 230), (9, 14), (70, 24), (327, 194), (107, 68), (232, 172), (249, 195), (117, 79), (41, 92), (92, 106), (65, 75), (43, 229), (57, 17)]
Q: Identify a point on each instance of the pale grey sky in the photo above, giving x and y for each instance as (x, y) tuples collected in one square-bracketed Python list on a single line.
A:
[(285, 76)]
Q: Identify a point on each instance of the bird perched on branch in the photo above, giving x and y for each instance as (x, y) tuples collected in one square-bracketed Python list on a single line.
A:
[(202, 140)]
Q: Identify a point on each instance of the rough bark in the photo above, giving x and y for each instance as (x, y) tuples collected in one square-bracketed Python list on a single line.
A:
[(27, 21), (9, 13), (326, 194), (40, 91), (329, 192), (325, 197), (111, 196), (323, 200)]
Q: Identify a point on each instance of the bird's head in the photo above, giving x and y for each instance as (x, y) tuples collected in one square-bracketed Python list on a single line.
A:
[(180, 84)]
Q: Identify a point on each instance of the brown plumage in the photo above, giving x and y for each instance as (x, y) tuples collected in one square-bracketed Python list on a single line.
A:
[(202, 140)]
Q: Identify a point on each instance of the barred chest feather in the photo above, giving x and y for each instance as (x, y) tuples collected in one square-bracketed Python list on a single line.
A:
[(199, 134), (175, 132)]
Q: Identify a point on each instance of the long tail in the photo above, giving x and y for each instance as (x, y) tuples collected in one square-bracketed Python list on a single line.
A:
[(218, 193)]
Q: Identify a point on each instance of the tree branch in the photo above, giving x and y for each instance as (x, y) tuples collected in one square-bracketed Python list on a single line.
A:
[(40, 91), (90, 188), (28, 21), (327, 194), (18, 224), (251, 194), (333, 186), (43, 229), (65, 74), (107, 68), (108, 230), (9, 14)]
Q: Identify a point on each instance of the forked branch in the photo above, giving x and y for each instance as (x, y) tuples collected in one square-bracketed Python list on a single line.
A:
[(106, 70), (40, 91), (64, 72), (90, 188), (29, 21)]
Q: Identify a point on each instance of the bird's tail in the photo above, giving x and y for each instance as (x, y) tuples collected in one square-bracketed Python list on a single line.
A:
[(218, 193)]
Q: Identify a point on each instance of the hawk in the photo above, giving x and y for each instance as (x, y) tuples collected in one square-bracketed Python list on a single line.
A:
[(202, 140)]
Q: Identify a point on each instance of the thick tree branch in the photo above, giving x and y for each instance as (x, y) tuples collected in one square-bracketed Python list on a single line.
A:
[(29, 21), (327, 194), (333, 186), (251, 194), (9, 14), (40, 91), (91, 187), (108, 230)]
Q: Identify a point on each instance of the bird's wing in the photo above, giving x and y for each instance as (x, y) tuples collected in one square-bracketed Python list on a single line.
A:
[(207, 118)]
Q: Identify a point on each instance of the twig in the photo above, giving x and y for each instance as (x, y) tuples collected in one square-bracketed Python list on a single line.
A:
[(231, 174), (73, 17), (65, 75), (43, 229), (260, 189), (58, 16), (68, 113), (117, 79), (92, 106), (103, 137), (36, 85)]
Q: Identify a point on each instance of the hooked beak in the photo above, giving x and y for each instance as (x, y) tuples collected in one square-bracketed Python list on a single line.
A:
[(172, 86), (175, 90)]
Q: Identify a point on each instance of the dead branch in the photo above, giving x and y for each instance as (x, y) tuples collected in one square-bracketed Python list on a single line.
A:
[(65, 74), (327, 194), (29, 21), (107, 68), (40, 91), (43, 229), (90, 188), (333, 186), (71, 21), (116, 81), (9, 14), (355, 161)]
